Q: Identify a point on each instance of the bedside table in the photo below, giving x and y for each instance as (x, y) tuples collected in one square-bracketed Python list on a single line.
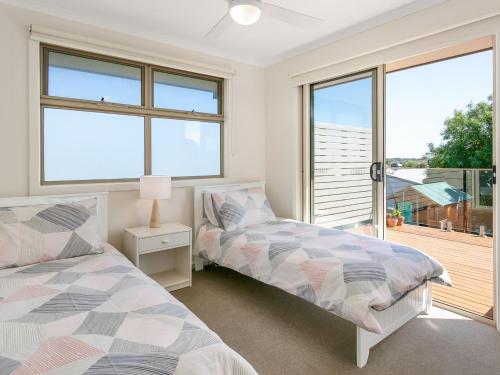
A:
[(164, 254)]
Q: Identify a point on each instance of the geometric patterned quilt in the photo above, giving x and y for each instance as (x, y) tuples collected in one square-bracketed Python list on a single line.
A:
[(345, 273), (99, 315)]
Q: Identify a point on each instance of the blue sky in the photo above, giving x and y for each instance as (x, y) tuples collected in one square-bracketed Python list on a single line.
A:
[(418, 100), (345, 104), (86, 145)]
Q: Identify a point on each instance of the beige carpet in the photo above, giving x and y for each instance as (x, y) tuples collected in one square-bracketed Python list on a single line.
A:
[(281, 334)]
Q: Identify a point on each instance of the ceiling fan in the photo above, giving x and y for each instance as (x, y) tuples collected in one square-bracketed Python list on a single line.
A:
[(247, 12)]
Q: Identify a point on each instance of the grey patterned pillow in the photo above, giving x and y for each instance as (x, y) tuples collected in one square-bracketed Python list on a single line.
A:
[(242, 208), (35, 234)]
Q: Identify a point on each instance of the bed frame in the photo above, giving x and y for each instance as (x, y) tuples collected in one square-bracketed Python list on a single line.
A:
[(414, 303), (102, 205)]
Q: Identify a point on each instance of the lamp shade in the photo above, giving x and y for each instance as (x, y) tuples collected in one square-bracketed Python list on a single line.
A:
[(156, 187)]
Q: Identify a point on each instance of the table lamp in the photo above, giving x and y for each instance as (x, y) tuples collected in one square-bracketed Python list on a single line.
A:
[(155, 187)]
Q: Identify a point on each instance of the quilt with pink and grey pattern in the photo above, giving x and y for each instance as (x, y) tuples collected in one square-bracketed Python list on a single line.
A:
[(345, 273), (99, 314)]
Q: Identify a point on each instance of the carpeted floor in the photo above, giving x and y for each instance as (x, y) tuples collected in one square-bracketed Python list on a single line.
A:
[(281, 334)]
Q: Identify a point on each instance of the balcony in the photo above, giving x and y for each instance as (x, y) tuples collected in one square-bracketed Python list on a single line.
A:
[(449, 216), (468, 259)]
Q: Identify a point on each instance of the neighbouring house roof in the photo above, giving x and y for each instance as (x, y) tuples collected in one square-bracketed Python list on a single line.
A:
[(442, 193), (415, 175)]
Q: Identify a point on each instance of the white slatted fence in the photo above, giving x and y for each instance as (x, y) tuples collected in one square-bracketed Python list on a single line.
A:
[(342, 188)]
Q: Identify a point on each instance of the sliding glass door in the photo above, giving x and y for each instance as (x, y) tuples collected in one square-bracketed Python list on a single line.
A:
[(346, 170), (425, 178), (440, 178)]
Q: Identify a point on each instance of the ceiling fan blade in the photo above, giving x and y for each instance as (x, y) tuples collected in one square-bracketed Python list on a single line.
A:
[(221, 26), (290, 16)]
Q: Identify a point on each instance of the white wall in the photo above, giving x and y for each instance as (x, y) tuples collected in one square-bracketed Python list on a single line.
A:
[(247, 156), (443, 25)]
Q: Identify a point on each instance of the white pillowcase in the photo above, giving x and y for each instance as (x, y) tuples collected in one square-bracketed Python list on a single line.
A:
[(41, 233), (241, 208)]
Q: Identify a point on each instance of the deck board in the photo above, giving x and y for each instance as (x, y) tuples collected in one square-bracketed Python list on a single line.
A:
[(468, 259)]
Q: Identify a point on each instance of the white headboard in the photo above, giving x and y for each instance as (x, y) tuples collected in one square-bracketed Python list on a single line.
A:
[(102, 205), (199, 213)]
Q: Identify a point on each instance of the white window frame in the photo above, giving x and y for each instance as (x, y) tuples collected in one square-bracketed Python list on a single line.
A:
[(40, 36)]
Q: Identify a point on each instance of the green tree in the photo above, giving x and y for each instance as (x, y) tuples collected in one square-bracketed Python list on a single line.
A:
[(467, 139), (410, 164)]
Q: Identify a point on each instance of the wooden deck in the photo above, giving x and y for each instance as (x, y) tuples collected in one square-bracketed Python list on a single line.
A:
[(468, 259)]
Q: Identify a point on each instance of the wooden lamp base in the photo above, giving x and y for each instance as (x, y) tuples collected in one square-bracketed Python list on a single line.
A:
[(155, 216)]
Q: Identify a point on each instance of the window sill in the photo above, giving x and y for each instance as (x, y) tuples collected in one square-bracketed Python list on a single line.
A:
[(120, 186)]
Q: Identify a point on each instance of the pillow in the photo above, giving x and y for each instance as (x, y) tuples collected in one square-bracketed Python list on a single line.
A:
[(209, 209), (36, 234), (241, 208)]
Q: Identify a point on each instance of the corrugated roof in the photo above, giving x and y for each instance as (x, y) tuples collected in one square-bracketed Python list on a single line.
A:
[(442, 193)]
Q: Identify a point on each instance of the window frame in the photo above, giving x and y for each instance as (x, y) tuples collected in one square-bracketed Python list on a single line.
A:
[(220, 88), (146, 110)]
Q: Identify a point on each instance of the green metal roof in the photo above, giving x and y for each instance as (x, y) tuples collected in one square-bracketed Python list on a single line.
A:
[(442, 193)]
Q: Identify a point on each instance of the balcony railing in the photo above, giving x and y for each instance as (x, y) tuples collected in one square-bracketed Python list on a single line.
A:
[(456, 199)]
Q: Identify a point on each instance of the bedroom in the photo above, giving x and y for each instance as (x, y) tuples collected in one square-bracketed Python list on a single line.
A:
[(257, 75)]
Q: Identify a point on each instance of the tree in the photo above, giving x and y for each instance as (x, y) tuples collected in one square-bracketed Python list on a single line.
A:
[(410, 164), (467, 139)]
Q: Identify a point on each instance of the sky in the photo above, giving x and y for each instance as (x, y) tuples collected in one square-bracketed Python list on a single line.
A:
[(418, 100), (345, 104), (85, 145)]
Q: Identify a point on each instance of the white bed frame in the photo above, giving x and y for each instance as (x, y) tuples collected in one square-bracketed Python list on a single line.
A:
[(414, 303), (102, 205)]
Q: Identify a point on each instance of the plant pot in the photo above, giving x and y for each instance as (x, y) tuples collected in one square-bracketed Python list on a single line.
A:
[(392, 222), (401, 220)]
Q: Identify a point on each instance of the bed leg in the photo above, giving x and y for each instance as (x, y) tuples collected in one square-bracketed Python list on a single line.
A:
[(427, 298), (198, 264), (362, 347)]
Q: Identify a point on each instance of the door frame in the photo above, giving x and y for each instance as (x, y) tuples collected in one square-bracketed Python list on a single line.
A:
[(378, 143), (381, 187)]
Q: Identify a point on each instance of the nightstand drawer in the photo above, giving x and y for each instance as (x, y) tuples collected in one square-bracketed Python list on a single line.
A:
[(150, 244)]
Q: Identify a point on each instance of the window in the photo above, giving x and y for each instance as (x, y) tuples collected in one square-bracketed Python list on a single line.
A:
[(185, 93), (105, 119), (195, 143), (78, 77), (82, 146)]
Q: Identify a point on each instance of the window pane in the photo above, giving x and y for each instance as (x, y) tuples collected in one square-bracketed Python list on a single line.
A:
[(82, 145), (90, 79), (185, 148), (183, 93)]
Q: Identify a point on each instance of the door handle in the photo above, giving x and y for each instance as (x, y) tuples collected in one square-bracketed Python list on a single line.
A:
[(378, 177)]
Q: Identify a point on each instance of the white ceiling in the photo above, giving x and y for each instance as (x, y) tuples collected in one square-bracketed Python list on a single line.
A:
[(184, 23)]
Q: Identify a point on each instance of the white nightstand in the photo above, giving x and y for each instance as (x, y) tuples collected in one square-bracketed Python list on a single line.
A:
[(165, 253)]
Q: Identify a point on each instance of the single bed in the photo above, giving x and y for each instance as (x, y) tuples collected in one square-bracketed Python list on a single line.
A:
[(99, 314), (377, 285)]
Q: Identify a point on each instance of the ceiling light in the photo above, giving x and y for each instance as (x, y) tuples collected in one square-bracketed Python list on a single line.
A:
[(245, 12)]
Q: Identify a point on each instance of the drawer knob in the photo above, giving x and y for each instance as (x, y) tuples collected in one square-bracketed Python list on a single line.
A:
[(164, 242)]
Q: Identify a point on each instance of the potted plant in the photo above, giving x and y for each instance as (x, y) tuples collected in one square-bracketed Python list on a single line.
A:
[(392, 220), (397, 214)]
